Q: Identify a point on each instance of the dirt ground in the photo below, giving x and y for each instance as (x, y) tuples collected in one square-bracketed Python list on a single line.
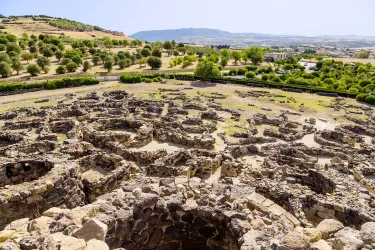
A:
[(354, 60), (32, 27), (315, 105)]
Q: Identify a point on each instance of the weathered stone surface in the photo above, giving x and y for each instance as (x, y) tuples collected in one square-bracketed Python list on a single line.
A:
[(368, 232), (313, 233), (40, 225), (8, 235), (68, 242), (94, 244), (296, 241), (8, 246), (168, 173), (92, 229), (347, 239), (328, 227), (320, 245), (154, 239)]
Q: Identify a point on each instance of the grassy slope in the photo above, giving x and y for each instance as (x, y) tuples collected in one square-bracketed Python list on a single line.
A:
[(30, 27)]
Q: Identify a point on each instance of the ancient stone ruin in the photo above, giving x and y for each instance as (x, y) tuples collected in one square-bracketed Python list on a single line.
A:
[(111, 171)]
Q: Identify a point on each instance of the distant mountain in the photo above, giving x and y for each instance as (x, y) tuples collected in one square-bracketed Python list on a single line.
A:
[(216, 37), (178, 34)]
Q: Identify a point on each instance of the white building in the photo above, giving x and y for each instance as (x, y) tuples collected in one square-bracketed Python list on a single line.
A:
[(271, 57)]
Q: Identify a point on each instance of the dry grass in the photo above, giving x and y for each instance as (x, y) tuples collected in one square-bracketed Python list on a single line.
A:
[(354, 60), (32, 27), (313, 107)]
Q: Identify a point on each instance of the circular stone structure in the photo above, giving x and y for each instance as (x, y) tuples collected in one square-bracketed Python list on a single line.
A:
[(98, 167)]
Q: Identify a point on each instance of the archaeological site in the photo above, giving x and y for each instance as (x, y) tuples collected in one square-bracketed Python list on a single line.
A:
[(186, 166)]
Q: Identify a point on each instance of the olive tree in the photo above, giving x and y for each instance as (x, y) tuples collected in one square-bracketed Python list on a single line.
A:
[(5, 70), (154, 62), (17, 66), (108, 65), (33, 69), (207, 69), (43, 62)]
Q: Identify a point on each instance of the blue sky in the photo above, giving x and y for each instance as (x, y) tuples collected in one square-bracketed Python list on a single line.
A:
[(289, 17)]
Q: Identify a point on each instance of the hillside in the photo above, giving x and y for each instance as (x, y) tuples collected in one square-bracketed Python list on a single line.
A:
[(56, 26), (177, 34), (216, 37)]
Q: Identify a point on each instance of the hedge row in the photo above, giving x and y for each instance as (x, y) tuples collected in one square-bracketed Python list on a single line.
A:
[(55, 84), (131, 78), (70, 82), (148, 78), (367, 98), (8, 87)]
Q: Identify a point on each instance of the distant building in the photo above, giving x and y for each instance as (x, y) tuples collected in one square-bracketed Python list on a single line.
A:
[(271, 57)]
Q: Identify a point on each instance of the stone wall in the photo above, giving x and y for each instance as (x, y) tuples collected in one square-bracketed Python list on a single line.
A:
[(61, 186)]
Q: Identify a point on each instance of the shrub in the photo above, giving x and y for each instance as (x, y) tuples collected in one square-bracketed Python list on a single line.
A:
[(77, 60), (154, 62), (354, 90), (5, 58), (13, 47), (65, 61), (43, 62), (33, 69), (14, 54), (364, 83), (185, 64), (86, 66), (361, 97), (250, 75), (108, 65), (264, 77), (232, 72), (33, 49), (4, 87), (241, 72), (157, 79), (46, 69), (70, 82), (61, 69), (124, 63), (5, 69), (147, 80), (71, 67), (156, 53), (17, 66), (130, 78), (370, 99), (95, 60)]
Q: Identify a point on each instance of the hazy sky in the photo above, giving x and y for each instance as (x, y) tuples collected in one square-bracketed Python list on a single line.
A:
[(289, 17)]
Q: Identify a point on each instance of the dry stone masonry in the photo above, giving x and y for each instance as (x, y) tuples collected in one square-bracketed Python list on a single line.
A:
[(112, 171)]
